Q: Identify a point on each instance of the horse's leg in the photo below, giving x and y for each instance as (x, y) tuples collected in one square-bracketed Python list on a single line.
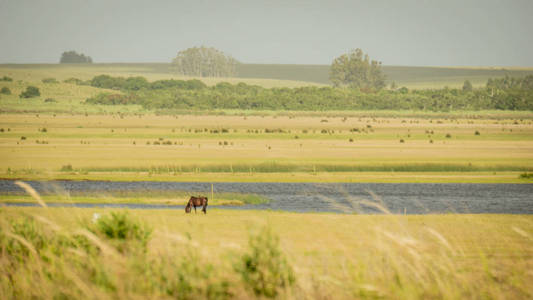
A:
[(205, 208), (195, 209)]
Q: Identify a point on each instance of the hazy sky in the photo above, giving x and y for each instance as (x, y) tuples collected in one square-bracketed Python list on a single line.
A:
[(396, 32)]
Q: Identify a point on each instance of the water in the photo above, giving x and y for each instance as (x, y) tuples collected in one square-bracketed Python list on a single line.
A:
[(412, 198)]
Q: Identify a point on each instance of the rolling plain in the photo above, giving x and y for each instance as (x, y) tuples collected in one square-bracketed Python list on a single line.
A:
[(101, 253)]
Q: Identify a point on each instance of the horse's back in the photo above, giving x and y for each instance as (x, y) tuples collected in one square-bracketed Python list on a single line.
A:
[(198, 201)]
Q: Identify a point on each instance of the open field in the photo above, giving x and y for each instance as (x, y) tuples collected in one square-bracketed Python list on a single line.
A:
[(385, 256), (154, 197), (151, 71), (265, 148), (408, 76), (270, 75)]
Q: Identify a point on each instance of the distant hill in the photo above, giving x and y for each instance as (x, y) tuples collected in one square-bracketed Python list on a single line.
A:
[(269, 75), (413, 77)]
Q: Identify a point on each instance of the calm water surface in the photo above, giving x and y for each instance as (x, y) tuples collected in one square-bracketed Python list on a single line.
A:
[(412, 198)]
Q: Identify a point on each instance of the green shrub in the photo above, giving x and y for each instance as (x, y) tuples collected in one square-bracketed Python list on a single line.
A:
[(5, 78), (111, 99), (67, 168), (50, 100), (264, 268), (188, 277), (73, 80), (505, 94), (122, 230), (49, 80), (30, 92), (526, 175), (5, 90)]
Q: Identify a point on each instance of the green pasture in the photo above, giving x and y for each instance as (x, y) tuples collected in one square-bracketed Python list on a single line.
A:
[(268, 75), (265, 148), (409, 76), (108, 254)]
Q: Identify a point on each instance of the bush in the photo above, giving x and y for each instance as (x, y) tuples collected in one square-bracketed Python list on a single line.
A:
[(30, 92), (264, 268), (49, 80), (50, 100), (122, 230), (73, 80), (510, 94), (111, 99), (526, 175), (189, 278), (67, 168), (5, 90), (72, 57), (5, 78)]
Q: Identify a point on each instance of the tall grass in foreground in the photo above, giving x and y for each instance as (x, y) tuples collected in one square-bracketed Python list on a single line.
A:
[(117, 255), (110, 258)]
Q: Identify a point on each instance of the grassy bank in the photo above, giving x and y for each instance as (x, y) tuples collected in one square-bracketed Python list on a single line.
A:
[(60, 252), (136, 197), (362, 177), (266, 148), (268, 75)]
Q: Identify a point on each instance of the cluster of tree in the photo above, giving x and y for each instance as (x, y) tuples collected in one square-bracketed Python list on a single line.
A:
[(30, 92), (204, 62), (5, 90), (356, 70), (505, 93), (72, 57), (138, 83)]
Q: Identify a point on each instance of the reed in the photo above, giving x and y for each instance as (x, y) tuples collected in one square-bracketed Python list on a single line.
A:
[(114, 254), (276, 167)]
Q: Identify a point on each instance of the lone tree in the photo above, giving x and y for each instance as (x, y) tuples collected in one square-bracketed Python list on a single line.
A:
[(356, 70), (30, 92), (467, 86), (72, 57), (205, 62)]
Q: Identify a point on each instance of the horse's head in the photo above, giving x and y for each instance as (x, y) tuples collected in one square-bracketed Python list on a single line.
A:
[(188, 208)]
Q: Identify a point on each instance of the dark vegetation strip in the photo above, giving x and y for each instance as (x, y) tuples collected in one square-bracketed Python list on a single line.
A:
[(499, 94), (281, 168), (143, 195)]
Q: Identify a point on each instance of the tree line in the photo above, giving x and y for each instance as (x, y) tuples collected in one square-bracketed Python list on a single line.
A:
[(503, 94), (73, 57), (204, 62)]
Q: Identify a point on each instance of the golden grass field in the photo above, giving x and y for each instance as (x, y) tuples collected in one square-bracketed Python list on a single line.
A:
[(151, 72), (309, 148), (57, 252), (333, 256)]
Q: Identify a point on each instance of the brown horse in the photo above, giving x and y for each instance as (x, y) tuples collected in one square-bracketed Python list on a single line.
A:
[(196, 201)]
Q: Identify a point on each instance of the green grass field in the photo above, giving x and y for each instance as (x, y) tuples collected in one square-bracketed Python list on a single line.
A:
[(411, 77), (269, 75), (95, 253), (265, 148), (60, 252)]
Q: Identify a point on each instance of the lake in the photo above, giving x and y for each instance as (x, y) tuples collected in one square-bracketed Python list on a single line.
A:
[(367, 198)]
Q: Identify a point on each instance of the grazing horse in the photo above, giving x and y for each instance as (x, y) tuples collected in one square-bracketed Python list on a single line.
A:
[(196, 201)]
